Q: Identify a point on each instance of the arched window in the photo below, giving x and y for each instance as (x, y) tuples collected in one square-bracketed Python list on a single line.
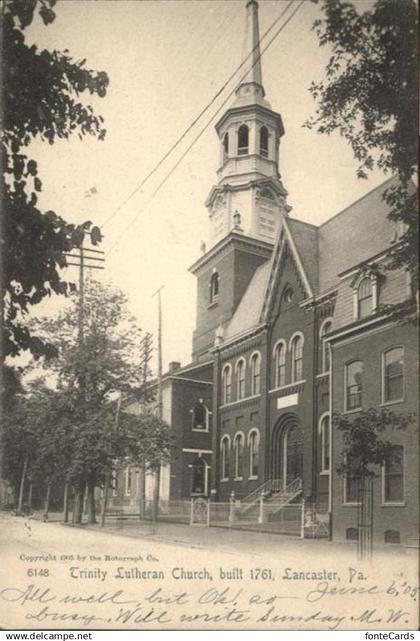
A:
[(254, 442), (351, 534), (240, 379), (255, 374), (324, 433), (392, 536), (264, 142), (267, 193), (227, 384), (224, 458), (225, 146), (364, 298), (393, 375), (288, 295), (214, 286), (243, 140), (297, 358), (280, 364), (200, 416), (353, 385), (238, 447), (325, 349)]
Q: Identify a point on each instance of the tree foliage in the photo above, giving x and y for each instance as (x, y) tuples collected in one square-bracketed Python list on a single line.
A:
[(41, 98), (78, 430), (370, 96), (365, 447)]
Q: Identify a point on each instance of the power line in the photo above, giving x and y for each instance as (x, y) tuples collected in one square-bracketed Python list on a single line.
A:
[(198, 136), (194, 122)]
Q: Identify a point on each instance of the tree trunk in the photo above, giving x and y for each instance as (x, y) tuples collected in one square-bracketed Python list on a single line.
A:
[(66, 502), (47, 501), (78, 505), (105, 499), (30, 491), (91, 509), (22, 486), (155, 502), (85, 499), (142, 491)]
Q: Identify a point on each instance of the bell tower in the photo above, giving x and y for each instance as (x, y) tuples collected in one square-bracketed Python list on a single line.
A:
[(247, 203), (249, 187)]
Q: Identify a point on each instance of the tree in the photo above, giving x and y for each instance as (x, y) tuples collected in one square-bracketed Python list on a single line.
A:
[(365, 447), (91, 372), (40, 99), (151, 445), (370, 96), (37, 440)]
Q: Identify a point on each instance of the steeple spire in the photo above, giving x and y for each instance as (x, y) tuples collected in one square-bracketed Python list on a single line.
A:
[(252, 83)]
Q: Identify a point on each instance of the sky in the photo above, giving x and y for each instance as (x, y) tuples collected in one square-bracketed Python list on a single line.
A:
[(165, 60)]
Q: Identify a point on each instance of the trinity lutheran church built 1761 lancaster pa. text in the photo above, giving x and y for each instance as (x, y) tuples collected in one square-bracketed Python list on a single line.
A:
[(289, 331)]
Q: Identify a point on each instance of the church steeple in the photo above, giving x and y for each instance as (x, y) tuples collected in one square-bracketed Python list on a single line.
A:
[(249, 133), (251, 48)]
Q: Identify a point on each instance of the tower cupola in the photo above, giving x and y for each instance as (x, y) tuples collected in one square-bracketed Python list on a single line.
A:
[(249, 136)]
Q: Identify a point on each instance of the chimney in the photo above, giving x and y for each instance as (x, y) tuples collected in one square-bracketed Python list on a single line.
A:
[(173, 366)]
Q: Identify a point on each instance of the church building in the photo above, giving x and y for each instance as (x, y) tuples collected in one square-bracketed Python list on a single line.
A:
[(289, 330)]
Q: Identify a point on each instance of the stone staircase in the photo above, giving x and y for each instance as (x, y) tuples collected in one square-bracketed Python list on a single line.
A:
[(273, 497)]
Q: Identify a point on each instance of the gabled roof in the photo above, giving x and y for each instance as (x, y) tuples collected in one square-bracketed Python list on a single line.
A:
[(256, 302), (249, 309)]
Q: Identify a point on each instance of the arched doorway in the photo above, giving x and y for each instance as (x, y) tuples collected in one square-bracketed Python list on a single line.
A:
[(199, 476), (287, 450)]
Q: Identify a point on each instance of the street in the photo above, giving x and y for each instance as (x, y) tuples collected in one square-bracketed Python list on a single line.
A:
[(56, 576)]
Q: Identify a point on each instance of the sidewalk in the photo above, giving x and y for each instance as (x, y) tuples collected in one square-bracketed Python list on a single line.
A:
[(232, 541)]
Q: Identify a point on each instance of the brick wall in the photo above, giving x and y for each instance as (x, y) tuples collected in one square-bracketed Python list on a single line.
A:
[(368, 347)]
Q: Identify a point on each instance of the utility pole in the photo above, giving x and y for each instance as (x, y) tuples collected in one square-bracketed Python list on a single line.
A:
[(146, 348), (145, 357), (156, 487), (84, 257), (160, 406)]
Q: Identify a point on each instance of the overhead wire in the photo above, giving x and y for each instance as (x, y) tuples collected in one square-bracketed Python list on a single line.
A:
[(195, 121), (201, 132)]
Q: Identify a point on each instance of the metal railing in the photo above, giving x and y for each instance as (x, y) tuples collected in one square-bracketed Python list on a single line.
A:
[(269, 487)]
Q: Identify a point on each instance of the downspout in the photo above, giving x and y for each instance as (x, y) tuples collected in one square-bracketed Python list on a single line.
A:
[(330, 481)]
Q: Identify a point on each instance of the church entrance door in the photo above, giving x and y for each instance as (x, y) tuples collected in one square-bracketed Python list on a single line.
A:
[(287, 450)]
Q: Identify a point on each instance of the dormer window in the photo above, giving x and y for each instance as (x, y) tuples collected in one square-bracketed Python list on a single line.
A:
[(365, 295), (214, 287), (365, 298), (225, 146), (243, 140), (264, 142)]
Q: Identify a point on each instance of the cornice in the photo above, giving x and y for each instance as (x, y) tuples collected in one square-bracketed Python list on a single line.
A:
[(252, 108), (243, 402), (358, 326), (246, 242), (275, 183)]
